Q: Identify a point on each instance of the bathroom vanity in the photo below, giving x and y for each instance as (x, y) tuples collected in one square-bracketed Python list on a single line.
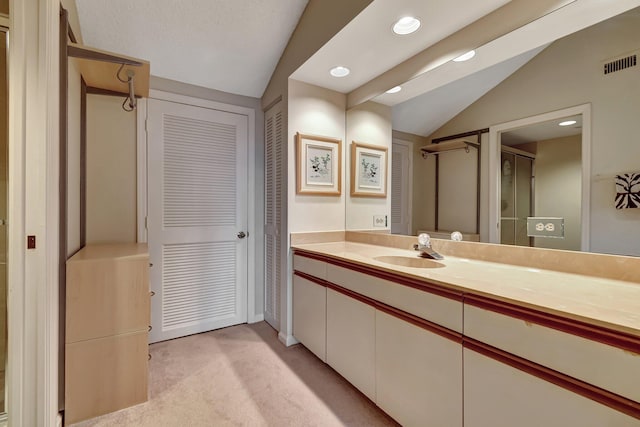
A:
[(474, 342)]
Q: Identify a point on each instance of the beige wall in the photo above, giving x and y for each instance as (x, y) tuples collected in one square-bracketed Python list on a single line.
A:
[(569, 73), (111, 171), (317, 111), (558, 172), (368, 123), (73, 159)]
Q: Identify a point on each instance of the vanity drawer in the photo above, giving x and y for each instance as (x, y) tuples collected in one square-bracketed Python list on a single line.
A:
[(438, 309), (310, 266), (608, 366)]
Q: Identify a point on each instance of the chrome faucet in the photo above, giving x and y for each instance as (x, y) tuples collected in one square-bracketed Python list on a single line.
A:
[(424, 246)]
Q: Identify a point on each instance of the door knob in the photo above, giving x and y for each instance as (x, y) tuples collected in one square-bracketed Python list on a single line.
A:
[(241, 235)]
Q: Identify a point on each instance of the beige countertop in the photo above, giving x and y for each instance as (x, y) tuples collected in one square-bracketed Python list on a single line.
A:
[(614, 304)]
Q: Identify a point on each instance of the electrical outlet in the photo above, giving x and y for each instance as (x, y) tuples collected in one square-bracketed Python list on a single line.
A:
[(379, 220)]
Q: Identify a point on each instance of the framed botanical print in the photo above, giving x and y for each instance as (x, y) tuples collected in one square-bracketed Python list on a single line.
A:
[(368, 170), (318, 165)]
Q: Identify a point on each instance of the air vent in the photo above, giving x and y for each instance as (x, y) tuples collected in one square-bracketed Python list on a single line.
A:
[(620, 64)]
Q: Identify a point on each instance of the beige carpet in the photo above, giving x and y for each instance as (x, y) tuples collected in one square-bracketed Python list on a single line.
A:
[(243, 376)]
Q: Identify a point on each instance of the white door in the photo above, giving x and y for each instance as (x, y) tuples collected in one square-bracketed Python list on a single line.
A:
[(197, 214), (401, 185), (274, 137)]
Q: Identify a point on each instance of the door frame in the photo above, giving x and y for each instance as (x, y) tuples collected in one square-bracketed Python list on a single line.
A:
[(252, 316), (33, 285), (494, 168)]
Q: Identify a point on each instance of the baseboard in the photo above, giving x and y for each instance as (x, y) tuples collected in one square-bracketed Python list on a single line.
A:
[(256, 318), (287, 340)]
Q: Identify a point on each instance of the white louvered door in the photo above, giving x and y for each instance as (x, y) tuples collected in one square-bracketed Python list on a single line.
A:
[(197, 188), (273, 219), (401, 176)]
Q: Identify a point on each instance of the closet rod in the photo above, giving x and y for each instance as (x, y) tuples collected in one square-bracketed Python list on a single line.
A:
[(460, 135)]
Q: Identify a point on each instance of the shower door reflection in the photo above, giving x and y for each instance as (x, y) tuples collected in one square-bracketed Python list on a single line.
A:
[(516, 198)]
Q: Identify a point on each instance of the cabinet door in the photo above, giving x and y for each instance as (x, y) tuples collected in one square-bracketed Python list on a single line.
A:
[(105, 375), (351, 341), (418, 374), (309, 315), (498, 395)]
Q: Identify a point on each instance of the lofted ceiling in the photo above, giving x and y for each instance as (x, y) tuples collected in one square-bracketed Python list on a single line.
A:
[(228, 45)]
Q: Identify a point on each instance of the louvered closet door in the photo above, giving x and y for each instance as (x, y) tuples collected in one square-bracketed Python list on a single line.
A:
[(197, 206), (273, 208), (400, 187)]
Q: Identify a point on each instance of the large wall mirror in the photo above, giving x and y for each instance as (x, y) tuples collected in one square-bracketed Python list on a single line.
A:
[(520, 163)]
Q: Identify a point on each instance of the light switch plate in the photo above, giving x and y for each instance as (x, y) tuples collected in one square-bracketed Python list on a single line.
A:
[(540, 226), (379, 220)]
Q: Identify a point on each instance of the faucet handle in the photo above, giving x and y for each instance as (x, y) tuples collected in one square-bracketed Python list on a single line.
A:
[(424, 240)]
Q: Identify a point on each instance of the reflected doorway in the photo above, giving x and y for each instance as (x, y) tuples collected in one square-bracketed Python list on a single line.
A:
[(541, 167)]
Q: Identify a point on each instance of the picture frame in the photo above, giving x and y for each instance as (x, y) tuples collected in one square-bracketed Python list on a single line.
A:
[(318, 165), (368, 170)]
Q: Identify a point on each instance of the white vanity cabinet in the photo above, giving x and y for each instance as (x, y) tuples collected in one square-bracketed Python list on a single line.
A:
[(432, 355), (310, 305), (418, 373), (499, 395), (351, 340), (310, 315)]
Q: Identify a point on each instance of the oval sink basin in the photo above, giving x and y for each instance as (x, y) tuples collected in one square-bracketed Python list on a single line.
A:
[(413, 262)]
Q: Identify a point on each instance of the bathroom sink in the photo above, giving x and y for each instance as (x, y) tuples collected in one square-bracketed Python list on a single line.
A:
[(406, 261)]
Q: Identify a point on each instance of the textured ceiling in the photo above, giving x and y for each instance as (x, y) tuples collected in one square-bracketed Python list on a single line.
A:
[(228, 45), (368, 46)]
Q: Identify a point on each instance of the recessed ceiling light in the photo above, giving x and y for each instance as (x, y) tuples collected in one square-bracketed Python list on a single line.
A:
[(567, 123), (339, 71), (394, 89), (406, 25), (467, 56)]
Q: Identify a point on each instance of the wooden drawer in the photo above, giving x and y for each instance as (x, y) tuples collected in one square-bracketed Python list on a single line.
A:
[(107, 297), (105, 375), (606, 366)]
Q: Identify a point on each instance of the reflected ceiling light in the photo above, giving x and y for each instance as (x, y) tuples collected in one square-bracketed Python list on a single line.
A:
[(467, 56), (394, 89), (406, 25), (567, 123), (339, 71)]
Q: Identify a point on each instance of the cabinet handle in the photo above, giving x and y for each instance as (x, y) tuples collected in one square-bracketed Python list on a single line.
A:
[(150, 328), (152, 294), (149, 356)]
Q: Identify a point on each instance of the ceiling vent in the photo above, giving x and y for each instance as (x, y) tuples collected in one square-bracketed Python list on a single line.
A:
[(620, 63)]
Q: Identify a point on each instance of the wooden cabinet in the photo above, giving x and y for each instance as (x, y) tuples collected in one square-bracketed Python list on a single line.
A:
[(310, 315), (498, 395), (418, 374), (107, 322), (351, 341)]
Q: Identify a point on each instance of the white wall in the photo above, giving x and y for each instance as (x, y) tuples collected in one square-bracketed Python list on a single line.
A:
[(317, 111), (558, 187), (569, 73), (368, 123)]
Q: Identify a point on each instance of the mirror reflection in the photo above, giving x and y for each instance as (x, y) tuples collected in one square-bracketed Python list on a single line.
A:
[(540, 173)]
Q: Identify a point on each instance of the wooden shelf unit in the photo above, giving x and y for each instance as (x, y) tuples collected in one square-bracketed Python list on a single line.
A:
[(106, 330), (99, 69)]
